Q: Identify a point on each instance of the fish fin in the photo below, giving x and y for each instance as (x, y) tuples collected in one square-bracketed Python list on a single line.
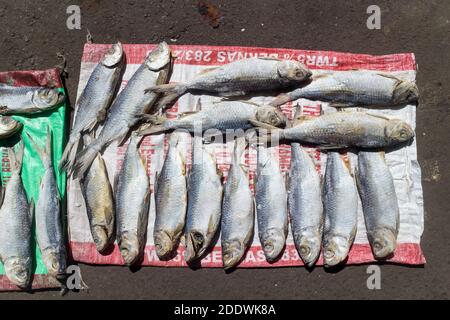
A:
[(304, 118), (207, 70), (389, 76), (69, 154), (122, 139), (186, 113), (148, 129), (84, 161), (332, 146), (2, 194), (382, 155), (31, 208), (280, 100), (342, 105), (378, 116), (198, 105), (297, 114), (44, 153), (16, 158), (152, 118), (269, 58), (232, 94), (260, 124), (155, 184)]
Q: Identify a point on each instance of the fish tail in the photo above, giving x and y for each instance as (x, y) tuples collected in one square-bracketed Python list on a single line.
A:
[(16, 157), (44, 153), (69, 154), (239, 147), (171, 92), (84, 161), (280, 100), (149, 129)]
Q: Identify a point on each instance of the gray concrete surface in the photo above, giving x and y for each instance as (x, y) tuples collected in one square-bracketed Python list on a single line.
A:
[(33, 31)]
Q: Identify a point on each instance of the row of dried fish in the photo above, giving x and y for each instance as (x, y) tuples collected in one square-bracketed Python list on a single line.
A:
[(16, 220)]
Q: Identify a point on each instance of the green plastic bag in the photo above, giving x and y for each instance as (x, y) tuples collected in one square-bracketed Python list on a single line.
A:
[(32, 168)]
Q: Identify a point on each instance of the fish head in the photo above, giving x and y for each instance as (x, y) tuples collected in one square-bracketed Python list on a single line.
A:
[(129, 246), (405, 92), (8, 124), (383, 242), (293, 71), (308, 243), (195, 245), (164, 244), (335, 250), (54, 261), (101, 238), (46, 97), (113, 56), (232, 252), (18, 271), (272, 243), (272, 116), (159, 57), (398, 131)]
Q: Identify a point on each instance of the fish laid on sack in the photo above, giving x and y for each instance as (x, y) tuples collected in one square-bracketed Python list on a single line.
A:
[(28, 100), (237, 210), (271, 204), (129, 106), (239, 78), (132, 200), (98, 197), (340, 204), (9, 127), (205, 193), (16, 216), (379, 202), (170, 200), (354, 88), (347, 129), (49, 227), (94, 101), (221, 116), (305, 205)]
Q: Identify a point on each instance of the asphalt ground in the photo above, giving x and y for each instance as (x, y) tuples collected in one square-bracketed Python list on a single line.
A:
[(32, 32)]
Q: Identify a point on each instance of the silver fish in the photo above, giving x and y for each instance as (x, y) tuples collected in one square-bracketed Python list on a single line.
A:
[(20, 100), (379, 201), (49, 230), (221, 116), (340, 203), (16, 252), (237, 211), (129, 106), (171, 200), (98, 197), (132, 199), (271, 204), (305, 205), (239, 78), (8, 127), (94, 101), (348, 129), (355, 88), (204, 202)]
